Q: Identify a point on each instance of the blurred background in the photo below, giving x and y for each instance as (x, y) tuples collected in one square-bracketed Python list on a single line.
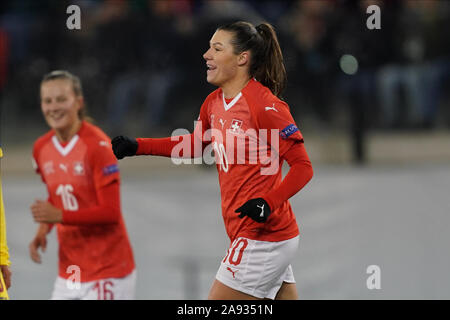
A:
[(373, 106)]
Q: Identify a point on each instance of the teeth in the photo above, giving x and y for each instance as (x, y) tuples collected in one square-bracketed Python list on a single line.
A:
[(56, 115)]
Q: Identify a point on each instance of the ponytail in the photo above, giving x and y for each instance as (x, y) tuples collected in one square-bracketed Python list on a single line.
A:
[(266, 62), (271, 71)]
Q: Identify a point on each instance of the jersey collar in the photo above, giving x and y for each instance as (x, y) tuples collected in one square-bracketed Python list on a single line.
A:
[(228, 106), (65, 150), (232, 103)]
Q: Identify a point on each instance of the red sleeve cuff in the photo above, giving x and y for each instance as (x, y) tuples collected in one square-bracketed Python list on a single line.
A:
[(270, 202), (144, 146)]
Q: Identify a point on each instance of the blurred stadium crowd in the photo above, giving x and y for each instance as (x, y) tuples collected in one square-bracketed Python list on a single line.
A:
[(142, 69)]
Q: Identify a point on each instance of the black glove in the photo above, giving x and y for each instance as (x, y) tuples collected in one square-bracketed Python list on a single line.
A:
[(257, 209), (124, 147)]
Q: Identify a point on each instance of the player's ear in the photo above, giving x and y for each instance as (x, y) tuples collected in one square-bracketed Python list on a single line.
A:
[(80, 101), (243, 58), (80, 104)]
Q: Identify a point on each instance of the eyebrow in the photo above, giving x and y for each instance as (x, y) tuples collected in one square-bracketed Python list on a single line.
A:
[(219, 43)]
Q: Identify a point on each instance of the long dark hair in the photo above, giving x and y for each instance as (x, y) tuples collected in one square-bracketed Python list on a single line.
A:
[(266, 61)]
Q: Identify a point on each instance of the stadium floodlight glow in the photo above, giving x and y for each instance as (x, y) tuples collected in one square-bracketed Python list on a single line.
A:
[(348, 64)]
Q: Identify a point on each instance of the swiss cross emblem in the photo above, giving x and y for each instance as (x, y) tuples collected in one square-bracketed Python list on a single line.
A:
[(235, 126), (78, 168)]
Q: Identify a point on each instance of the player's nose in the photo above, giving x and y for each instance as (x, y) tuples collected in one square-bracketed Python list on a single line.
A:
[(207, 55), (51, 107)]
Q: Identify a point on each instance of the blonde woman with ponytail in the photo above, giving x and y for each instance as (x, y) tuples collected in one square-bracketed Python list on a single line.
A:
[(246, 122)]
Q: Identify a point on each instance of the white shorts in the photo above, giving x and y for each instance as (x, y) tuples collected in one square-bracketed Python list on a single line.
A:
[(258, 268), (104, 289)]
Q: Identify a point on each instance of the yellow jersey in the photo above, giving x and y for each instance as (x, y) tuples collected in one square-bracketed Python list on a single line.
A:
[(4, 253)]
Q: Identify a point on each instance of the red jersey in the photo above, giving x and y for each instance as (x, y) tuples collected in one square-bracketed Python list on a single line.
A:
[(75, 175), (250, 135)]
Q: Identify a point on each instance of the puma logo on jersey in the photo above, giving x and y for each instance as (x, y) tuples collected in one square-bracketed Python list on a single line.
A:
[(271, 108), (262, 210), (63, 167), (103, 143), (232, 272)]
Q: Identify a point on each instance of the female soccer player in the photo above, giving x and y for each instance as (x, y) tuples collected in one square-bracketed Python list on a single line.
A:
[(247, 123), (80, 171)]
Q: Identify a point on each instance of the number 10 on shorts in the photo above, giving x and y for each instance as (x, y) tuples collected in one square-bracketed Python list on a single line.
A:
[(235, 252)]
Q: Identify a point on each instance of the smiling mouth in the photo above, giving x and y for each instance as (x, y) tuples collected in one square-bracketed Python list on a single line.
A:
[(58, 115), (210, 67)]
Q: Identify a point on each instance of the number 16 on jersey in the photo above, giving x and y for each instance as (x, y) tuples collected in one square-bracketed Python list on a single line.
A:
[(65, 191)]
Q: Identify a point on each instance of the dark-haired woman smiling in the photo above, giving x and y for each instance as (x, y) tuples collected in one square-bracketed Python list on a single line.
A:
[(245, 120)]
